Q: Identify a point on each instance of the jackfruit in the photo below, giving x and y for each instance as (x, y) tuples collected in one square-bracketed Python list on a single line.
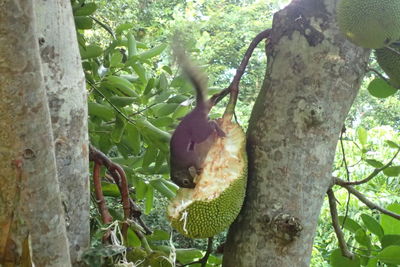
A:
[(216, 200), (390, 63), (370, 23)]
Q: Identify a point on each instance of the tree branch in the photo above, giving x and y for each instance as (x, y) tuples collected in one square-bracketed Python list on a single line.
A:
[(372, 175), (364, 200), (336, 226), (233, 88)]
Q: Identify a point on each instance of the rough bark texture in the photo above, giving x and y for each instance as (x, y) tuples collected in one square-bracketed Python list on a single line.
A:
[(31, 215), (312, 78), (66, 92)]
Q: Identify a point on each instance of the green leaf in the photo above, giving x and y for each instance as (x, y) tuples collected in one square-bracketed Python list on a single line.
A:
[(154, 133), (149, 86), (122, 101), (172, 186), (350, 224), (362, 136), (392, 144), (390, 255), (392, 171), (165, 109), (177, 99), (162, 122), (148, 203), (162, 188), (86, 10), (133, 239), (374, 163), (83, 22), (158, 235), (123, 27), (116, 59), (91, 51), (140, 71), (163, 82), (180, 112), (133, 139), (188, 255), (362, 238), (122, 84), (372, 262), (152, 52), (389, 224), (132, 47), (118, 130), (110, 189), (141, 189), (372, 225), (149, 156), (380, 88), (167, 69), (390, 240), (102, 111), (337, 260)]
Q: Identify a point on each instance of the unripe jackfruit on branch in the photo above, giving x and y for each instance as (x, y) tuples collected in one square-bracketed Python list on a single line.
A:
[(370, 23)]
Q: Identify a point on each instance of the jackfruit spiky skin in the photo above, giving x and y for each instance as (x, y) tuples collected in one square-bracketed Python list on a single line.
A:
[(208, 216), (390, 63), (370, 23)]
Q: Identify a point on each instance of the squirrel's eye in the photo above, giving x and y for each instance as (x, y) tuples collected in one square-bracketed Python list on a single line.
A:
[(185, 182)]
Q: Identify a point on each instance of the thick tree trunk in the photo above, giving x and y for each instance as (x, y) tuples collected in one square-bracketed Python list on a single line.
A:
[(66, 92), (31, 215), (312, 78)]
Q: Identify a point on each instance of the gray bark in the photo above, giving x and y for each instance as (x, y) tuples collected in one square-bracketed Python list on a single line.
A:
[(29, 188), (66, 92), (313, 76)]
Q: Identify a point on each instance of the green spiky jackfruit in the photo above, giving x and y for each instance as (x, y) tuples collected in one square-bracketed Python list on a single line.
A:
[(216, 200), (370, 23), (390, 63)]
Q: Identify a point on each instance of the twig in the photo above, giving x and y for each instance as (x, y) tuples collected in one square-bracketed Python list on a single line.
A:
[(336, 226), (203, 261), (347, 174), (105, 215), (378, 73), (393, 50), (364, 200), (373, 174), (234, 86), (104, 26)]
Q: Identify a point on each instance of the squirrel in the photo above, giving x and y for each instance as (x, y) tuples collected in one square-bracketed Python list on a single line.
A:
[(195, 134)]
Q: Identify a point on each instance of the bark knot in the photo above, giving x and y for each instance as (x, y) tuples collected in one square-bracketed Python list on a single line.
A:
[(286, 227)]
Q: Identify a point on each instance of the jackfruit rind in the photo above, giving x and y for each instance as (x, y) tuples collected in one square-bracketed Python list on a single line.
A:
[(218, 197), (370, 23), (390, 64)]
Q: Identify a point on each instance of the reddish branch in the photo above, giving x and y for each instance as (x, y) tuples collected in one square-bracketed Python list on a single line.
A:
[(336, 226), (233, 88), (131, 210)]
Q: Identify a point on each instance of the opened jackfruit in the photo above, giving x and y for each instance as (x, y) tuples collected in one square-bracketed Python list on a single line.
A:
[(216, 200), (370, 23)]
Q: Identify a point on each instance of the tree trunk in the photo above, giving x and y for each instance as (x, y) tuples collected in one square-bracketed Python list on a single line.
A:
[(312, 78), (31, 215), (66, 92)]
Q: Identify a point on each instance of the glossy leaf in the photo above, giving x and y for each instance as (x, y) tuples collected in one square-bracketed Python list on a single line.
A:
[(392, 144), (152, 52), (390, 255), (140, 71), (133, 138), (162, 188), (390, 240), (392, 171), (372, 225), (338, 260), (390, 225), (362, 238), (102, 111), (350, 224), (133, 240), (148, 204), (380, 88), (132, 47), (374, 163), (91, 51), (122, 101), (86, 10), (83, 22), (362, 136), (122, 84), (119, 128), (140, 189)]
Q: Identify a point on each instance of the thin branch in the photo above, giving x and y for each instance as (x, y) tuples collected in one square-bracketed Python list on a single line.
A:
[(378, 73), (336, 226), (373, 174), (233, 88), (104, 26), (105, 215), (203, 261), (347, 174), (364, 200), (393, 50)]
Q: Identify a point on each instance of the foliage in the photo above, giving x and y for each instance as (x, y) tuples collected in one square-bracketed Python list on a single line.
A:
[(136, 97)]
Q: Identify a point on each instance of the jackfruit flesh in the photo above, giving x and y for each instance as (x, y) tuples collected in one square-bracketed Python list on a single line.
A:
[(216, 200), (370, 23), (390, 63)]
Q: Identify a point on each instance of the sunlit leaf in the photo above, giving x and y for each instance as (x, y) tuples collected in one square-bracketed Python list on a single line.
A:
[(372, 225), (380, 88), (390, 225), (338, 260), (390, 255)]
